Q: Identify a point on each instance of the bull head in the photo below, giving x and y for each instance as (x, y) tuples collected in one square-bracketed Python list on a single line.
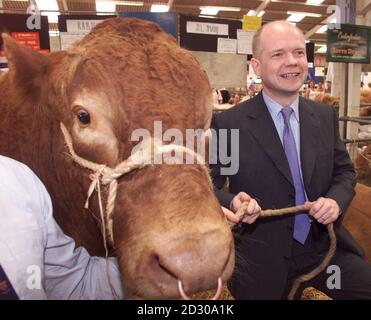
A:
[(124, 76)]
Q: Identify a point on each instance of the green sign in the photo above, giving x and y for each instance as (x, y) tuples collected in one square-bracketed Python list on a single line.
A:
[(350, 43)]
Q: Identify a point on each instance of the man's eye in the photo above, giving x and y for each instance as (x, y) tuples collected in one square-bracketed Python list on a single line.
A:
[(300, 53), (276, 55)]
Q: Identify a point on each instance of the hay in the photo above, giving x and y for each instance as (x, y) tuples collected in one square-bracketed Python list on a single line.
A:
[(309, 293)]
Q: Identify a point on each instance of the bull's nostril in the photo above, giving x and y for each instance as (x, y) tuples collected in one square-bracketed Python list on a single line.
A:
[(164, 268), (160, 274)]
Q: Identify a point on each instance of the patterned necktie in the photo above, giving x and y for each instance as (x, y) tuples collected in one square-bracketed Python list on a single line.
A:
[(302, 220), (6, 289)]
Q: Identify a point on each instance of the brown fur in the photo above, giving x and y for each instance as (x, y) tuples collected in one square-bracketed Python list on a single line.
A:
[(328, 99), (358, 218), (362, 164), (167, 223), (365, 99)]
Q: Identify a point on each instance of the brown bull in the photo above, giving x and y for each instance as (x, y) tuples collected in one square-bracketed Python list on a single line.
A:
[(365, 99), (362, 164), (124, 75)]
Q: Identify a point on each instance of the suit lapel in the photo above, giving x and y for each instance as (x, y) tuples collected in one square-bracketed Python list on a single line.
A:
[(309, 135), (261, 126)]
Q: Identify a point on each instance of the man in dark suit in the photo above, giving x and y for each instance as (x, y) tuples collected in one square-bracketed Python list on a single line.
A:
[(289, 153)]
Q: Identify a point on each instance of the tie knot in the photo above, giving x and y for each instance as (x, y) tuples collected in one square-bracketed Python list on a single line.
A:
[(286, 112)]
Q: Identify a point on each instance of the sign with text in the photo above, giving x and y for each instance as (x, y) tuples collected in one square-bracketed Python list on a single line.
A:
[(227, 45), (207, 28), (350, 43), (28, 39), (81, 26), (244, 41)]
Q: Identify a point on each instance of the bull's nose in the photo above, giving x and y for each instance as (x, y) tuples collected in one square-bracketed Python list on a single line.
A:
[(197, 262)]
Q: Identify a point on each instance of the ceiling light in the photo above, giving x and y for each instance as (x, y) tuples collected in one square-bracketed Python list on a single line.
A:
[(260, 14), (159, 8), (209, 17), (314, 2), (251, 13), (295, 18), (308, 14), (52, 16), (105, 6), (47, 5), (130, 3), (213, 11), (323, 49), (229, 9)]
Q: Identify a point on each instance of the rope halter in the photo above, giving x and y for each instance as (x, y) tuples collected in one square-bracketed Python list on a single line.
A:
[(148, 150)]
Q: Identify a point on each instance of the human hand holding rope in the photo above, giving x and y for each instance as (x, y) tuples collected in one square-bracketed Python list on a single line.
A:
[(318, 211), (324, 210)]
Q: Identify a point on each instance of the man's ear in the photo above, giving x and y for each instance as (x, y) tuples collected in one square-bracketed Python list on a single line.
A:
[(255, 63), (27, 67)]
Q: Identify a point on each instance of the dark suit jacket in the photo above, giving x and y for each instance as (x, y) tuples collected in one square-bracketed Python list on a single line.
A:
[(264, 248)]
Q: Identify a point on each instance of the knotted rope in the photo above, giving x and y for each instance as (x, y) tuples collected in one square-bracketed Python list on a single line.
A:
[(325, 262), (148, 150)]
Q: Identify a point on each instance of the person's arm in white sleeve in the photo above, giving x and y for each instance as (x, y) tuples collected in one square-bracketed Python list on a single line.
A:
[(71, 273)]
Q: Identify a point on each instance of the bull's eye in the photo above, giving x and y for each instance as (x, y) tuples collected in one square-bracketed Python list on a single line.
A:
[(83, 116)]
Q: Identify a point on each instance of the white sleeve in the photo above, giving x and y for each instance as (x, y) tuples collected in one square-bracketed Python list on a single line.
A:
[(40, 261), (71, 273)]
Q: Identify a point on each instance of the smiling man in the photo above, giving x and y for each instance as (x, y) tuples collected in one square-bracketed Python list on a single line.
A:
[(290, 152)]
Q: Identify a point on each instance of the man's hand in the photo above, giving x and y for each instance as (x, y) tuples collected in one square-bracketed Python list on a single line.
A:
[(230, 215), (324, 210), (252, 211)]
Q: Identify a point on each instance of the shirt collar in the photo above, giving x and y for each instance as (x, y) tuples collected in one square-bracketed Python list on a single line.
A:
[(275, 108)]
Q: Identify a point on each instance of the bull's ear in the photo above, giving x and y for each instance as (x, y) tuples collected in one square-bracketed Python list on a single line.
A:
[(26, 66)]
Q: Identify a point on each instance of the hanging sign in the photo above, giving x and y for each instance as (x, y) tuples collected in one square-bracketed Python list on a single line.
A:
[(350, 43)]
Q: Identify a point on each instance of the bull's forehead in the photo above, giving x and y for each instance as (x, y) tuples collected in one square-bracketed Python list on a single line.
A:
[(88, 98)]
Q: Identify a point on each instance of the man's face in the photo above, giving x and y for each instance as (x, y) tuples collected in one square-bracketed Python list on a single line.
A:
[(282, 62)]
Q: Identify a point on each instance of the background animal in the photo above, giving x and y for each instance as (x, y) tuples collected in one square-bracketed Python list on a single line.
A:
[(328, 99), (358, 218), (365, 110)]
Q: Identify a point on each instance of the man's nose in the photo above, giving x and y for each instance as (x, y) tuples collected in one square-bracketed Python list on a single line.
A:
[(291, 59)]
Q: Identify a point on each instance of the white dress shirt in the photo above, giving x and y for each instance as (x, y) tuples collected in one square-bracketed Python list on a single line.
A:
[(40, 261)]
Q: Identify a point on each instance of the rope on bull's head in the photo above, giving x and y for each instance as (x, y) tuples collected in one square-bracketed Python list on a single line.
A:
[(325, 262), (108, 176)]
